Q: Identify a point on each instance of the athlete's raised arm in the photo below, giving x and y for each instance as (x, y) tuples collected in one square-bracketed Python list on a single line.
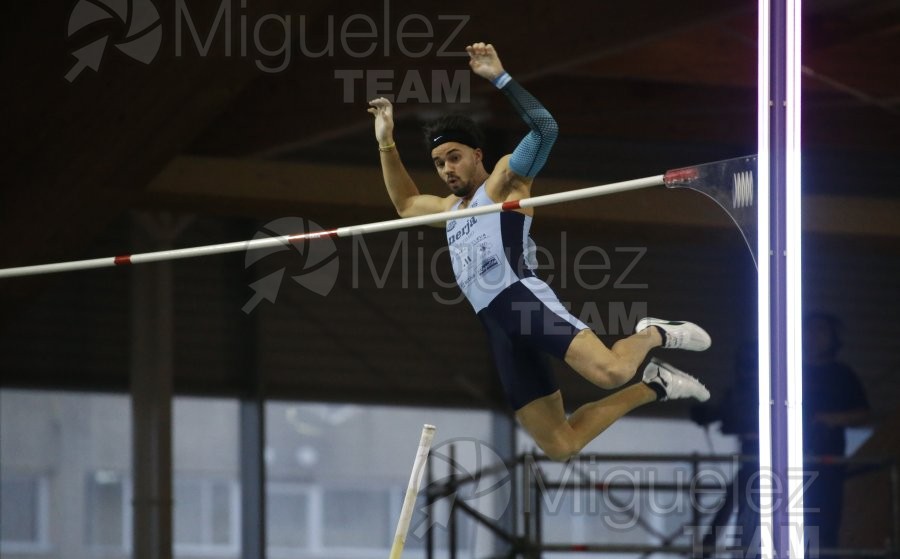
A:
[(403, 191), (531, 154)]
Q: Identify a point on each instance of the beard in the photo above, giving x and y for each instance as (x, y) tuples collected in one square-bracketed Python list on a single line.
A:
[(461, 189)]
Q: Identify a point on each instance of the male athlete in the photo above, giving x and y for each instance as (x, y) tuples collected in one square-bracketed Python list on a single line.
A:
[(492, 257)]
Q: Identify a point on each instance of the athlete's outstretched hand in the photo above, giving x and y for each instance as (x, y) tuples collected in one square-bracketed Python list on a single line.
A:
[(484, 61), (384, 120)]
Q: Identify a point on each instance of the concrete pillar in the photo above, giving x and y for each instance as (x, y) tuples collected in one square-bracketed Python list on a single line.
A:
[(253, 426), (504, 440), (151, 379)]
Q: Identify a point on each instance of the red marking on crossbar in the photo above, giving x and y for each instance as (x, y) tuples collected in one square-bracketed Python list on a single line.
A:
[(511, 205), (312, 235), (681, 175), (579, 548), (123, 260)]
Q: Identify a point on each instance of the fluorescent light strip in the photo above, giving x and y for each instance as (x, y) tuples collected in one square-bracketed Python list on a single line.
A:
[(763, 272), (794, 295), (794, 341)]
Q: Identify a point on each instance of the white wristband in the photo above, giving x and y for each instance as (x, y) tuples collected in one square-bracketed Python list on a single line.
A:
[(501, 80)]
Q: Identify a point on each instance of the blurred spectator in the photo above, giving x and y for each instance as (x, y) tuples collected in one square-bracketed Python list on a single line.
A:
[(833, 399)]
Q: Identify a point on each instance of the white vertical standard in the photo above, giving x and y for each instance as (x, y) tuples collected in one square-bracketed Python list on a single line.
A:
[(412, 490), (762, 284)]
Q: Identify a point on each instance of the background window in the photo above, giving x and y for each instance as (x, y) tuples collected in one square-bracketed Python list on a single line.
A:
[(288, 517), (338, 474), (65, 462), (356, 518), (108, 510), (206, 489), (23, 512), (206, 517)]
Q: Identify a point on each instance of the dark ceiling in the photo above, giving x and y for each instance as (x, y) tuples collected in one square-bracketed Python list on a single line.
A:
[(191, 116)]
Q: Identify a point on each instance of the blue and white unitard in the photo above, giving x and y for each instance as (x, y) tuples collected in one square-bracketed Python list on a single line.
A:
[(493, 259)]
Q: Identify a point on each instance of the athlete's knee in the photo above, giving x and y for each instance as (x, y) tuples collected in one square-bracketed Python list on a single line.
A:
[(610, 374), (596, 363), (559, 449)]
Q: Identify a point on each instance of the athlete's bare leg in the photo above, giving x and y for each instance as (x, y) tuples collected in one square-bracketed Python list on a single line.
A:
[(610, 367), (560, 437)]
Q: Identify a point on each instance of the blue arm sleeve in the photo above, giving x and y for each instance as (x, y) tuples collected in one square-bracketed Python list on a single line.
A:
[(531, 154)]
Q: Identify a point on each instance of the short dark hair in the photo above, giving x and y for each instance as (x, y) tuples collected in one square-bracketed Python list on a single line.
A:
[(453, 127)]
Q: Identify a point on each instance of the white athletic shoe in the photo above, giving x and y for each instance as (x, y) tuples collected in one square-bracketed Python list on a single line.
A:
[(679, 334), (671, 384)]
